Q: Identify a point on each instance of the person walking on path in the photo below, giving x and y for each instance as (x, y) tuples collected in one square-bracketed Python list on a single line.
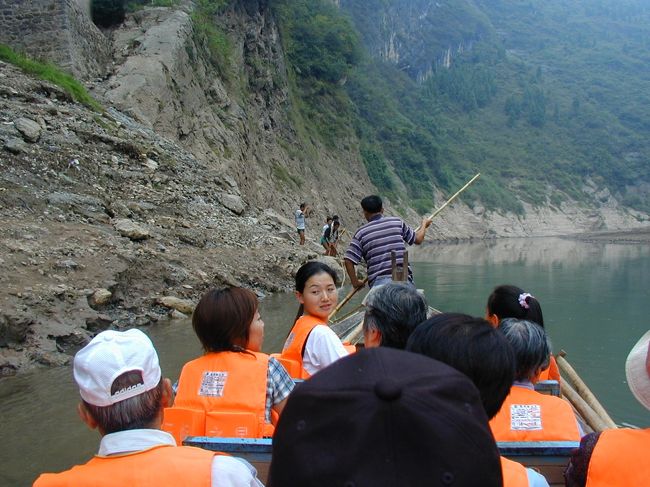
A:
[(374, 242), (300, 215)]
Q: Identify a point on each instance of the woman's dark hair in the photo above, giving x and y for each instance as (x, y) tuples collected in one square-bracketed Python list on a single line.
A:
[(307, 270), (472, 346), (222, 318), (310, 269), (508, 301)]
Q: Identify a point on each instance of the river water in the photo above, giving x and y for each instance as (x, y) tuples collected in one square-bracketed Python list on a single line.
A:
[(595, 298)]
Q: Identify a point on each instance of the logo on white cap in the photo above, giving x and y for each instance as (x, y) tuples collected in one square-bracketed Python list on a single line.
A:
[(109, 355)]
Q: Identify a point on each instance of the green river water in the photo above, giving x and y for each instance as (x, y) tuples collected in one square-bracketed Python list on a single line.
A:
[(595, 298)]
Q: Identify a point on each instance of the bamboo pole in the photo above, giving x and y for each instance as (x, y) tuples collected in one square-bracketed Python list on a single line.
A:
[(435, 213), (352, 292), (582, 389), (594, 421)]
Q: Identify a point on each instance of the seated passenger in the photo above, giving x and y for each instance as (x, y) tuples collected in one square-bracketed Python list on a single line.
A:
[(526, 414), (123, 395), (233, 383), (312, 345), (507, 301), (483, 354), (618, 457), (392, 313), (385, 418)]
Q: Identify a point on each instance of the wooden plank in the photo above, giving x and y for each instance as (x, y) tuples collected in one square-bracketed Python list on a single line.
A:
[(257, 451), (550, 458)]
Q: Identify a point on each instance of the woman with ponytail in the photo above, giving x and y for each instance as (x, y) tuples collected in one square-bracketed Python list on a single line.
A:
[(507, 301)]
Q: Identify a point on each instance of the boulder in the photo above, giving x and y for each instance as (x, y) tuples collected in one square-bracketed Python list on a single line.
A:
[(232, 202), (28, 128), (100, 297), (182, 305), (15, 146), (130, 229)]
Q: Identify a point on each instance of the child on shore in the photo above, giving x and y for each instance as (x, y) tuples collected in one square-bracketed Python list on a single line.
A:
[(323, 239)]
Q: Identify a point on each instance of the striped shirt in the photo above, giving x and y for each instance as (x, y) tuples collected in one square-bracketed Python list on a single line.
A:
[(374, 241)]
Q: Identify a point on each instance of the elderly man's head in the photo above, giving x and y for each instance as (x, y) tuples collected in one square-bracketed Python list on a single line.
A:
[(531, 346), (392, 313), (120, 382)]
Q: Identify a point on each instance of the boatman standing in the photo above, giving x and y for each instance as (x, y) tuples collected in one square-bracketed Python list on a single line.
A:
[(375, 240), (123, 396)]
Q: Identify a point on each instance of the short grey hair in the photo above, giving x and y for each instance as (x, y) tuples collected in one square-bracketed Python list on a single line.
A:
[(531, 346), (138, 412), (394, 309)]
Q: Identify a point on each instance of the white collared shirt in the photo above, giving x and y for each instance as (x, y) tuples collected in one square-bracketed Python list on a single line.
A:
[(226, 471)]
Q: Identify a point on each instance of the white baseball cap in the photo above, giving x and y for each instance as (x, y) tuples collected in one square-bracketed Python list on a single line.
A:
[(637, 370), (109, 355)]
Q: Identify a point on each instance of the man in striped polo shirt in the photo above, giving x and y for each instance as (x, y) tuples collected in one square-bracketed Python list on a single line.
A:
[(375, 240)]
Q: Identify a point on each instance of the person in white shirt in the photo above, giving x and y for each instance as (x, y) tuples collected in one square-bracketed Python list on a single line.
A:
[(300, 215)]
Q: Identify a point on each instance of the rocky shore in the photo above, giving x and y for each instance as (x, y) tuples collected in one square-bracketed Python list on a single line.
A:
[(102, 219)]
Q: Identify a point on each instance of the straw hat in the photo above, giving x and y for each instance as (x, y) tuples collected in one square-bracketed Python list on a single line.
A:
[(637, 370)]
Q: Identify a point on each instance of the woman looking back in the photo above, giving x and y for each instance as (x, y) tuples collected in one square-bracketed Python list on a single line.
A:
[(311, 344), (233, 379)]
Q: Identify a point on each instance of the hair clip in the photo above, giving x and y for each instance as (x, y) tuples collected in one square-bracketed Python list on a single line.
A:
[(522, 300)]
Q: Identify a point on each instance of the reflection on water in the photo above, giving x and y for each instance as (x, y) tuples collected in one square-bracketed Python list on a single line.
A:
[(594, 297)]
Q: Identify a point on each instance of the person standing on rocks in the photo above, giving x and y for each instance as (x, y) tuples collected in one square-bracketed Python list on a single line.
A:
[(374, 242), (300, 215)]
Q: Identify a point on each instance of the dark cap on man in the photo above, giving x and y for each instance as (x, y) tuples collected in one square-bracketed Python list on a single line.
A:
[(385, 417)]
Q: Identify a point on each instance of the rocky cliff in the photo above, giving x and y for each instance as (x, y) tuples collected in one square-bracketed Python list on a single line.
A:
[(188, 180), (402, 31)]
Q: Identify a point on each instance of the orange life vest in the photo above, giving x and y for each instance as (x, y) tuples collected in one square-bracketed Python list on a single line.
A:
[(514, 474), (527, 415), (552, 372), (620, 458), (221, 394), (291, 356), (160, 466)]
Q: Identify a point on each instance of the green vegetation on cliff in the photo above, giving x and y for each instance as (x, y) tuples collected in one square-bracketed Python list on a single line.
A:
[(540, 96), (51, 73)]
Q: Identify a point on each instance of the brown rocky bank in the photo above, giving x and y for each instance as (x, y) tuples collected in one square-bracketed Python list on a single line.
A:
[(102, 218)]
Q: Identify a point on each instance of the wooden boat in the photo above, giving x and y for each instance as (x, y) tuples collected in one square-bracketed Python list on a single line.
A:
[(549, 458)]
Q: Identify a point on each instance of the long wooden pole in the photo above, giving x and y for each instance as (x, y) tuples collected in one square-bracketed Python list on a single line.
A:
[(352, 292), (433, 215), (584, 391), (454, 196), (592, 419)]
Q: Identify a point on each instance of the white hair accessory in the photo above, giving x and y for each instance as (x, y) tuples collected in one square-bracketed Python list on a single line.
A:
[(109, 355), (637, 370), (522, 300)]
